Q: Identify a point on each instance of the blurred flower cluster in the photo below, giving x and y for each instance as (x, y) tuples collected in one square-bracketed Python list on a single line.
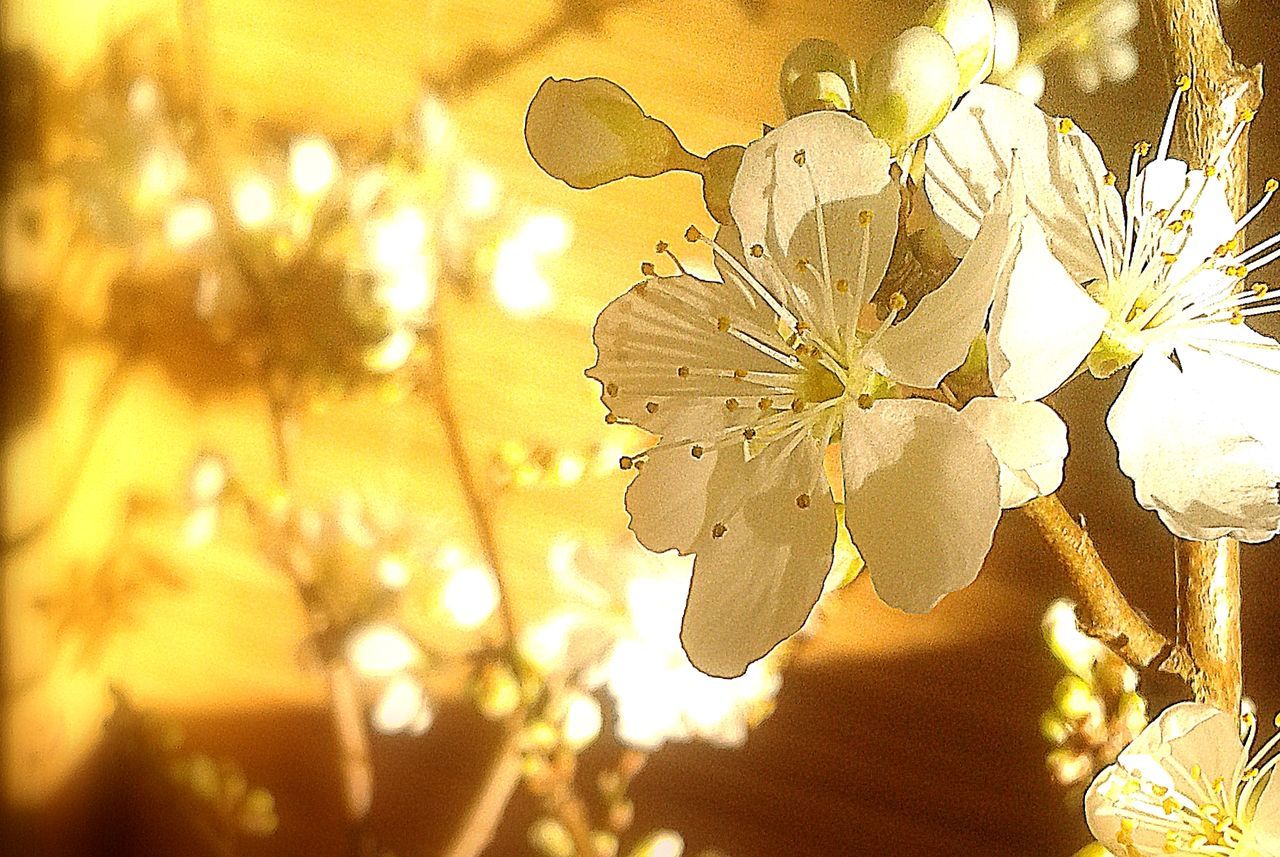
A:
[(1097, 709)]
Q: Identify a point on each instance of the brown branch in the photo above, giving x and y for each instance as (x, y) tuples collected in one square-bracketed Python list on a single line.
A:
[(476, 503), (487, 808), (1209, 601), (1224, 93), (1103, 610)]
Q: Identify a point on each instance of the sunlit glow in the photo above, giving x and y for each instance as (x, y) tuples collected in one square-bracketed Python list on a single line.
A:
[(189, 222), (569, 469), (545, 644), (661, 843), (434, 125), (208, 478), (398, 239), (392, 572), (1076, 649), (313, 165), (380, 650), (408, 293), (402, 707), (252, 201), (478, 193), (391, 353), (582, 721), (163, 173), (143, 98), (518, 282), (470, 595)]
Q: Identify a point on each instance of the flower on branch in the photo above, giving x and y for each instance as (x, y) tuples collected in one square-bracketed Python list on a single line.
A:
[(1154, 280), (1189, 784), (748, 380)]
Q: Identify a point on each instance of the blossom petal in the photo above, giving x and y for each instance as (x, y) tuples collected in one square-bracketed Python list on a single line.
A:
[(662, 352), (759, 572), (1029, 441), (922, 498), (1167, 185), (968, 161), (1042, 326), (936, 337), (1199, 440), (775, 205), (1184, 738)]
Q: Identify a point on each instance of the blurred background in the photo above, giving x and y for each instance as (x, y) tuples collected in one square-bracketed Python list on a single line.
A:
[(313, 528)]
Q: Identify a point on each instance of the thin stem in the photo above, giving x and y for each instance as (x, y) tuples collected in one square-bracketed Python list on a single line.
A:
[(481, 820), (1104, 612), (1224, 93), (476, 502), (1059, 30)]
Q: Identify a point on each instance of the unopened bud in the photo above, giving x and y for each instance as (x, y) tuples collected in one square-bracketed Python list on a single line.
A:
[(817, 75), (969, 26), (909, 86)]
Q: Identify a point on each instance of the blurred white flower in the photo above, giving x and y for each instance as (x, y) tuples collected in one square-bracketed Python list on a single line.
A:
[(402, 707), (313, 165), (1189, 784), (748, 380), (1151, 281), (1103, 52), (658, 694), (380, 650)]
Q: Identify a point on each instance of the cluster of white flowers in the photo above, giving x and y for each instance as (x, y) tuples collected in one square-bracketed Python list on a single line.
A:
[(802, 345)]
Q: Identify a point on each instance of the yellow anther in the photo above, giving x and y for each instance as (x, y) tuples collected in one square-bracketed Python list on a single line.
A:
[(1184, 83), (1277, 721), (798, 157), (748, 433), (1237, 317), (797, 404), (696, 451), (1186, 214), (692, 234), (660, 247), (1196, 771), (611, 389), (1176, 226), (1128, 825), (683, 371), (898, 301), (842, 286), (1211, 171), (648, 270), (723, 323), (1169, 258), (756, 250), (1169, 805), (718, 531), (1163, 214), (865, 216), (651, 407), (1143, 148), (626, 462), (731, 404), (865, 400), (641, 289), (802, 326), (765, 404), (1065, 126), (610, 419), (1272, 186), (1109, 179), (803, 501), (1248, 115), (1159, 790)]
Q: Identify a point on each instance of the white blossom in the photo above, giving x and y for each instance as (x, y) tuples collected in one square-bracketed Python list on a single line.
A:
[(748, 380), (1189, 784), (1151, 281)]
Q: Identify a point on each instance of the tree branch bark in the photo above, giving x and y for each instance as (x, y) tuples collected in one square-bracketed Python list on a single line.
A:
[(1223, 94), (1103, 611)]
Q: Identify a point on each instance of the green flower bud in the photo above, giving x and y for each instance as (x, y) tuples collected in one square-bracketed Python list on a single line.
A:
[(817, 75), (909, 85), (590, 132), (969, 26)]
